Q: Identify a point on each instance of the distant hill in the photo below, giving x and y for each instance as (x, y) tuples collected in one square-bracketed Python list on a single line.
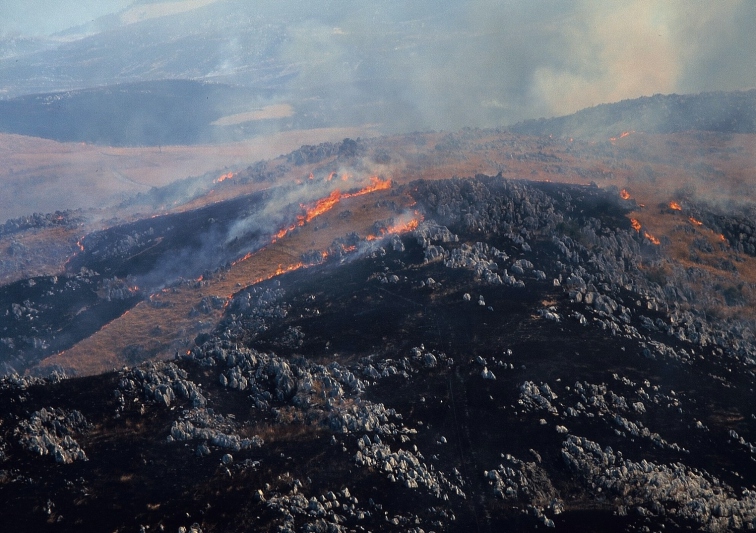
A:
[(724, 112), (147, 113)]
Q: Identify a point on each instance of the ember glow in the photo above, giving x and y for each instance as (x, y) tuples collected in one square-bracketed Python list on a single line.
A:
[(247, 256), (695, 222), (635, 224), (288, 268), (624, 194), (621, 135), (675, 206), (280, 270), (398, 228), (651, 238), (224, 177)]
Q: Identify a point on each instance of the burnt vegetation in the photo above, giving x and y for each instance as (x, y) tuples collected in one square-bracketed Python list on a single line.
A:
[(522, 358)]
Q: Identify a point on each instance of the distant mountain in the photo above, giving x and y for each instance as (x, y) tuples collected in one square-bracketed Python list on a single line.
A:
[(723, 112), (229, 41), (348, 64), (147, 113)]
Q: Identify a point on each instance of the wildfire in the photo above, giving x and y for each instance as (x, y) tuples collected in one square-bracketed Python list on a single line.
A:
[(621, 135), (324, 205), (635, 224), (288, 268), (398, 228), (224, 177), (675, 206), (376, 184), (651, 238), (695, 222), (249, 254), (320, 206), (624, 194), (280, 270), (81, 246), (722, 238)]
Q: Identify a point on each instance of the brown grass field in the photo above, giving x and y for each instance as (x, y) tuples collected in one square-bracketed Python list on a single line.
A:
[(40, 175), (653, 169)]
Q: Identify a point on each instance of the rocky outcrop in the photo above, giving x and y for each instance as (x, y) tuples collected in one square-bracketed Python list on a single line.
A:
[(660, 488), (51, 432)]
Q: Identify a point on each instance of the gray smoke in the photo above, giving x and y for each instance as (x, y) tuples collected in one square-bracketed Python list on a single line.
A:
[(444, 64)]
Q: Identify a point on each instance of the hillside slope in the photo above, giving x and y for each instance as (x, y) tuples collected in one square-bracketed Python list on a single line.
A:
[(733, 112)]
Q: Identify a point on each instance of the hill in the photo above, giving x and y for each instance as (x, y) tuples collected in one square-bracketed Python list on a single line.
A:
[(351, 335), (168, 112), (733, 112), (508, 362)]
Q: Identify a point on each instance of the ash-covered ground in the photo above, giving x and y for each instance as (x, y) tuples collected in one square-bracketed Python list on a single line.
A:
[(519, 360)]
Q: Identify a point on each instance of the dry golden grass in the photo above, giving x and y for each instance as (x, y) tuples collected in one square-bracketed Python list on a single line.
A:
[(45, 253), (40, 175), (653, 169), (165, 330)]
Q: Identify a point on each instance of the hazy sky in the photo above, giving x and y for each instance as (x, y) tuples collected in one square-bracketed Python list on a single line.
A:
[(492, 60), (44, 17)]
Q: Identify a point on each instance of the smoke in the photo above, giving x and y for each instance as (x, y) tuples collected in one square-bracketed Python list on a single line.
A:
[(489, 63), (430, 64), (386, 67), (283, 204), (45, 17)]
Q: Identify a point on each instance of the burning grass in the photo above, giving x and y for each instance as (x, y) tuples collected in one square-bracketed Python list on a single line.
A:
[(653, 167), (167, 320), (698, 249)]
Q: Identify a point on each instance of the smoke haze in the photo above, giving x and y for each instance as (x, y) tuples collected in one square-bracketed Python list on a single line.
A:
[(444, 64)]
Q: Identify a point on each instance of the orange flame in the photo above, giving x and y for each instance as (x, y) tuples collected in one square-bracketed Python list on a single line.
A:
[(81, 246), (376, 184), (398, 228), (635, 224), (651, 238), (695, 222), (280, 270), (320, 206), (224, 177), (324, 205), (675, 206), (621, 136), (249, 254), (722, 238), (624, 194), (288, 268)]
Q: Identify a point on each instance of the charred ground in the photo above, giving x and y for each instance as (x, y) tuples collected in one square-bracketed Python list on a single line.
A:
[(509, 363)]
